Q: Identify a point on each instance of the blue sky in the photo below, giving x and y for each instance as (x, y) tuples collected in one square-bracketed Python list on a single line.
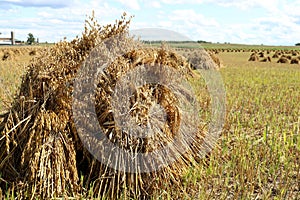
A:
[(274, 22)]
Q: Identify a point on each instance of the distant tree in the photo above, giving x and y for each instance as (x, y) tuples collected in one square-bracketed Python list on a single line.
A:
[(203, 41), (30, 39), (298, 44)]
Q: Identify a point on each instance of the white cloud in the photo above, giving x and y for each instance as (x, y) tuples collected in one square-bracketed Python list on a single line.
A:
[(183, 1), (292, 9), (52, 25), (165, 24), (192, 18), (44, 14), (131, 4), (280, 25), (268, 5), (241, 4), (154, 4), (158, 34), (38, 3), (189, 23), (278, 21), (282, 28)]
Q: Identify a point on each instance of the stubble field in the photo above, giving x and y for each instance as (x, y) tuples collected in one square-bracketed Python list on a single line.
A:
[(259, 149)]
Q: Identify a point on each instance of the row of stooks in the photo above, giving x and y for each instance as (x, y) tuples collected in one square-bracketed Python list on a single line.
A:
[(291, 57)]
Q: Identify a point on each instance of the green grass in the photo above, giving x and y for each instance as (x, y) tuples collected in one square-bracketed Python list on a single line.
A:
[(259, 149), (260, 145)]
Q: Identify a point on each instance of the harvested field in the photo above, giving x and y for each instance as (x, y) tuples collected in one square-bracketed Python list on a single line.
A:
[(256, 157)]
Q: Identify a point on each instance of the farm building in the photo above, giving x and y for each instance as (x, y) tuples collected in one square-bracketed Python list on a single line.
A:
[(9, 40)]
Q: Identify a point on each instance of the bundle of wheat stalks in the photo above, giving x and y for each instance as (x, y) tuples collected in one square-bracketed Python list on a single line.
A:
[(41, 153)]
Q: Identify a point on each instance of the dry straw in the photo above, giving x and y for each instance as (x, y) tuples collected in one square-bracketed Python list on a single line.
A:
[(266, 59), (261, 54), (295, 61), (201, 59), (283, 59), (253, 57), (40, 150), (7, 55)]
